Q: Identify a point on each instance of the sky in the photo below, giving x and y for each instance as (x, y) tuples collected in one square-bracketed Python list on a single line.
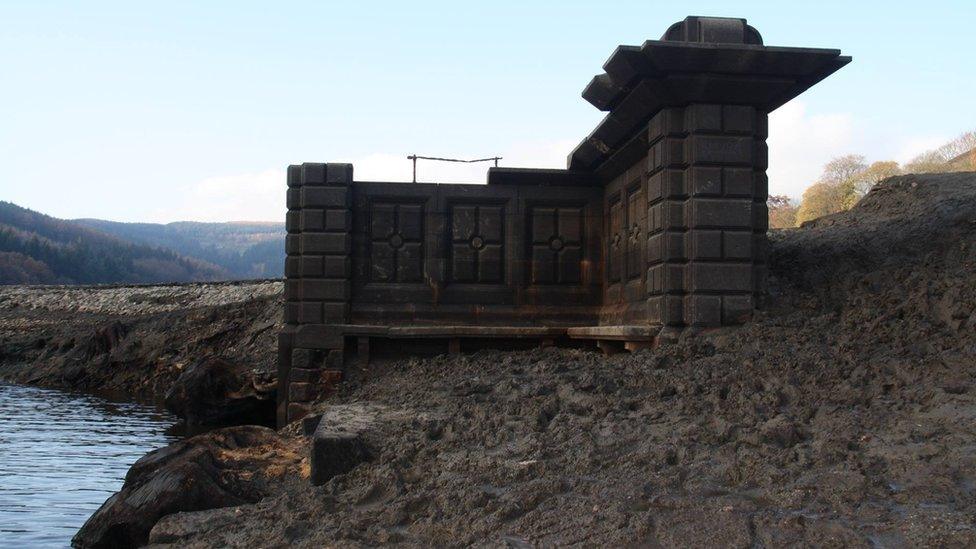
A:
[(166, 111)]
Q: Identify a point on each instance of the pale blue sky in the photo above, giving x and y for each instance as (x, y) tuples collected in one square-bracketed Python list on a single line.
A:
[(176, 110)]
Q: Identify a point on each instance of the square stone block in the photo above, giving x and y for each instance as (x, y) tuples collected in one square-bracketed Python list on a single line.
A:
[(338, 174), (325, 290), (292, 266), (737, 244), (313, 219), (703, 118), (293, 198), (292, 312), (704, 244), (294, 175), (293, 221), (337, 266), (311, 312), (667, 122), (737, 182), (326, 243), (737, 309), (703, 310), (705, 181), (720, 213), (337, 220), (738, 118), (305, 375), (325, 197), (720, 149), (312, 265), (719, 277), (313, 173)]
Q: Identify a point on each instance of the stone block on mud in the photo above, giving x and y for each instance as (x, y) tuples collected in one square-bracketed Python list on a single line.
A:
[(335, 453), (340, 440)]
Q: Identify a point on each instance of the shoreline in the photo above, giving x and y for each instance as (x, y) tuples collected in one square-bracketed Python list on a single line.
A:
[(134, 340)]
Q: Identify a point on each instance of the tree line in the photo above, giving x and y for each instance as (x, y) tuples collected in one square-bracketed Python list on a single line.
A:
[(35, 248), (846, 179)]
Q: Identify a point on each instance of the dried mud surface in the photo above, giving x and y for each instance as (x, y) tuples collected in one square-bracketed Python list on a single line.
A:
[(844, 416)]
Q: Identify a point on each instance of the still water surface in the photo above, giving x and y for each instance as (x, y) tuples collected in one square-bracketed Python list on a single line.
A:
[(62, 455)]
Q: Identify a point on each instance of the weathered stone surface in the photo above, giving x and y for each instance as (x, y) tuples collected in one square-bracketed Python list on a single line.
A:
[(222, 468), (214, 391), (339, 443)]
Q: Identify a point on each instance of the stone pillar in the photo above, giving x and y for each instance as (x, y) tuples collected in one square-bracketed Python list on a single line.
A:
[(317, 286), (666, 197), (694, 107), (706, 214), (725, 213)]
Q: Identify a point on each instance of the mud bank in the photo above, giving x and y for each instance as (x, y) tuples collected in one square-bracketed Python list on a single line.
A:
[(133, 341), (845, 415)]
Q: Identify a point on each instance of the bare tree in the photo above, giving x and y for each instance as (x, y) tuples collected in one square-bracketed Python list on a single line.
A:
[(843, 169), (947, 157)]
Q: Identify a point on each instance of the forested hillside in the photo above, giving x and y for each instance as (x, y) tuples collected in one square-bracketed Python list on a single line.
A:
[(244, 249), (39, 249)]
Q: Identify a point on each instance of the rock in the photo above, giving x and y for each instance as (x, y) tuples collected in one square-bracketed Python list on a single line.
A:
[(214, 391), (335, 453), (339, 443), (223, 468)]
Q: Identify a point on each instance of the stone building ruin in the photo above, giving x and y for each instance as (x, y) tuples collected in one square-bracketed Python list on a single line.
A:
[(657, 225)]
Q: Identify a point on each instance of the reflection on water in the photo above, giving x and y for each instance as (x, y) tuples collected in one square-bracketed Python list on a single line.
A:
[(62, 455)]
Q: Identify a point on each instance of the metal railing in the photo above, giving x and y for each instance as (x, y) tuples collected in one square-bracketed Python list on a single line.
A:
[(415, 157)]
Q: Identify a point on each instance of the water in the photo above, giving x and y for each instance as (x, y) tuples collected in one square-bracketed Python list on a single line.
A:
[(62, 455)]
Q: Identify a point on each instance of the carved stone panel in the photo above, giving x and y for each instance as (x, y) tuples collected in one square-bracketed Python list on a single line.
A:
[(557, 245), (396, 242), (616, 239), (477, 244), (634, 232)]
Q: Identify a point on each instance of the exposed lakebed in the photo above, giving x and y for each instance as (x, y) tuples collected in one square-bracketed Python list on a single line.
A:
[(62, 455)]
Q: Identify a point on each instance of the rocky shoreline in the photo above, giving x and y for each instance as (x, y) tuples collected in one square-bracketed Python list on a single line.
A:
[(134, 340), (842, 416)]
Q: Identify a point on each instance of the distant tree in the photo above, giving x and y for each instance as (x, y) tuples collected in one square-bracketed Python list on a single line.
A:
[(946, 158), (820, 199), (962, 144), (927, 162), (862, 182), (881, 170), (782, 211), (843, 169)]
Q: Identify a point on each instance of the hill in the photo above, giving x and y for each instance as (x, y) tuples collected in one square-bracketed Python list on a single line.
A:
[(40, 249), (244, 249)]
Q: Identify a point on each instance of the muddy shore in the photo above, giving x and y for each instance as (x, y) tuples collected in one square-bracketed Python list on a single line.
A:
[(844, 415), (134, 341)]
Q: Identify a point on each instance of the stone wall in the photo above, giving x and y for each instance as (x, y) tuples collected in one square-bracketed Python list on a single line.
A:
[(658, 224)]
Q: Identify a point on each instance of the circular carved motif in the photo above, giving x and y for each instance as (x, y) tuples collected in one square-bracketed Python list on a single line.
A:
[(396, 241), (556, 244), (477, 242)]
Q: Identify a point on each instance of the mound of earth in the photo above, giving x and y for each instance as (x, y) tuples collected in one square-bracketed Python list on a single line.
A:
[(135, 341), (845, 415)]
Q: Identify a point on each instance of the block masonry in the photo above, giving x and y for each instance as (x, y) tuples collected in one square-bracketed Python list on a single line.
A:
[(657, 225)]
